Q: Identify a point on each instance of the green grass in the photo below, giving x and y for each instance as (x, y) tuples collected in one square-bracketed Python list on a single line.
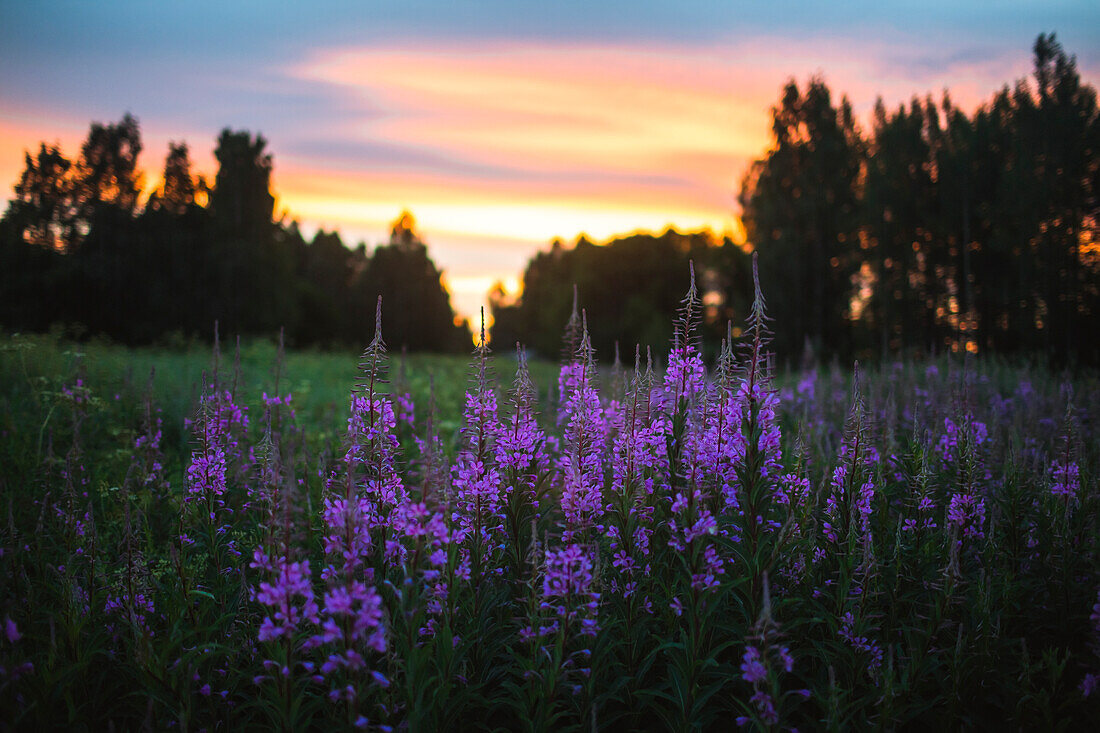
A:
[(33, 368)]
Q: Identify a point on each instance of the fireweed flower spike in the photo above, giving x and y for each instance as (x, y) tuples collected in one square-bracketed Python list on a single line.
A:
[(572, 603), (636, 456), (678, 401), (764, 663), (372, 446), (209, 508), (520, 451), (477, 514), (585, 438), (1065, 474), (685, 377), (363, 512), (570, 371), (755, 446), (692, 450), (848, 505)]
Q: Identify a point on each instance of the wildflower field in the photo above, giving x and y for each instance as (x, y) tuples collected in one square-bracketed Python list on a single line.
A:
[(259, 540)]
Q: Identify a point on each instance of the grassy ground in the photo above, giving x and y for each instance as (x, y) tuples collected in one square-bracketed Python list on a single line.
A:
[(33, 369)]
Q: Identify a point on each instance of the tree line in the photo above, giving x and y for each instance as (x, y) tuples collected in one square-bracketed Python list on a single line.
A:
[(627, 288), (934, 231), (79, 248)]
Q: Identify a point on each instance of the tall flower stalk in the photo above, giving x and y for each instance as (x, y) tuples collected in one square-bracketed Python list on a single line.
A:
[(477, 513), (751, 411), (520, 453), (585, 438)]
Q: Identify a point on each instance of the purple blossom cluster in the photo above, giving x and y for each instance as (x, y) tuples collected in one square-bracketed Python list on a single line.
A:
[(133, 612), (966, 513), (953, 433), (755, 670), (206, 481), (288, 595), (582, 464), (520, 449), (685, 375), (428, 533), (10, 673), (568, 593), (352, 624), (1065, 480), (756, 396), (477, 483), (870, 649), (925, 519)]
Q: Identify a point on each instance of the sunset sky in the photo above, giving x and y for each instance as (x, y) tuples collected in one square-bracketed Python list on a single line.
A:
[(499, 124)]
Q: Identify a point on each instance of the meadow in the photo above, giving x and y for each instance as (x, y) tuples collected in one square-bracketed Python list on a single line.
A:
[(251, 539)]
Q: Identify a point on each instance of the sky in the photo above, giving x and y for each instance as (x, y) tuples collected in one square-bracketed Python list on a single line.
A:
[(500, 124)]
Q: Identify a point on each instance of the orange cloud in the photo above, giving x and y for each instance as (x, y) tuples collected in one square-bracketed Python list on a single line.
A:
[(557, 110), (532, 142)]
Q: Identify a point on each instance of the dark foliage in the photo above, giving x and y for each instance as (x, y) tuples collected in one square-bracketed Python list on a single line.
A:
[(939, 231), (627, 286), (935, 232), (77, 251)]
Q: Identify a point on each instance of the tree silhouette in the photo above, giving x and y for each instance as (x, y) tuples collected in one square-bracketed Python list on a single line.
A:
[(106, 182), (41, 212), (800, 207), (178, 188), (628, 286), (241, 200), (416, 308)]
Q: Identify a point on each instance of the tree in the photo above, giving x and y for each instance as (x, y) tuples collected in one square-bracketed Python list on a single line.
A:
[(416, 308), (176, 193), (241, 199), (41, 211), (901, 241), (800, 206), (106, 175), (252, 279), (325, 273), (1052, 191), (629, 286)]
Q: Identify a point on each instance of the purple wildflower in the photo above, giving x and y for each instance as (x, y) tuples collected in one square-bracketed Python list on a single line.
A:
[(861, 644), (685, 376), (586, 434), (11, 631), (428, 532), (352, 621), (967, 513), (347, 538), (737, 415), (752, 668), (567, 586), (1065, 480), (953, 435), (477, 482), (288, 594)]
